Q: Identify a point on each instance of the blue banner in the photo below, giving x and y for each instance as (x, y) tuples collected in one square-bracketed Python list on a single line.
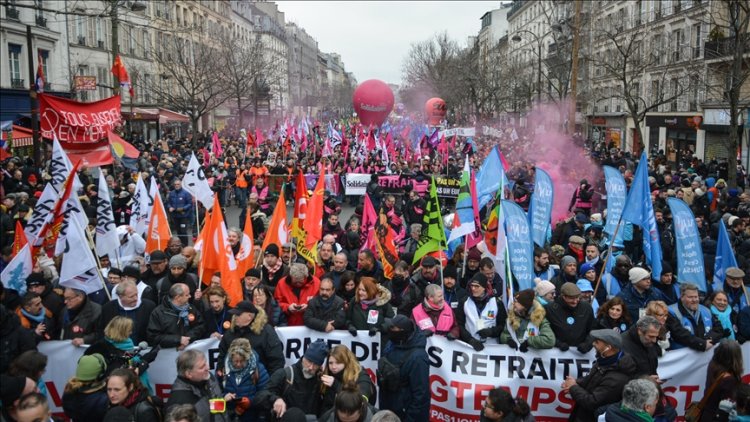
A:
[(724, 257), (617, 191), (540, 210), (639, 210), (520, 245), (690, 267), (488, 177)]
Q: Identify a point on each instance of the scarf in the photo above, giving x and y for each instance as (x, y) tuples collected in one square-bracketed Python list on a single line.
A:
[(250, 367), (640, 414), (326, 303), (36, 318), (127, 345), (593, 261), (183, 310), (608, 361), (724, 318), (124, 345), (542, 300), (272, 271), (430, 306), (367, 303), (134, 397)]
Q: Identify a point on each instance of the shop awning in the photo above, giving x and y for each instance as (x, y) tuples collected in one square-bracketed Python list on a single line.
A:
[(164, 115), (22, 137)]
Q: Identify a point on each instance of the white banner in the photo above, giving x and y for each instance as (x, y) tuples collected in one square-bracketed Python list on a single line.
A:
[(460, 131), (460, 377), (356, 183), (491, 131)]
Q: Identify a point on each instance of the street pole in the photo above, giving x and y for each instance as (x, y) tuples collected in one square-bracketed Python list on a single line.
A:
[(539, 71), (34, 103), (115, 44), (574, 69)]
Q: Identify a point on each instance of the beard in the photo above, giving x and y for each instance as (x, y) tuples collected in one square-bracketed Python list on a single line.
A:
[(543, 267), (307, 374)]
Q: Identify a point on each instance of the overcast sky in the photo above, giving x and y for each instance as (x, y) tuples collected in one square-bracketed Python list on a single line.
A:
[(373, 38)]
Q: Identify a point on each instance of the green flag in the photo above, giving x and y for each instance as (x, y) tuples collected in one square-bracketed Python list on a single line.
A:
[(433, 234)]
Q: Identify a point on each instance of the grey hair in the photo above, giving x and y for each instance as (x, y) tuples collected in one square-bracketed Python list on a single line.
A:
[(638, 393), (186, 360), (176, 290), (684, 287), (298, 270), (236, 231), (182, 412), (123, 285), (431, 290), (77, 292), (646, 322), (415, 227), (385, 416)]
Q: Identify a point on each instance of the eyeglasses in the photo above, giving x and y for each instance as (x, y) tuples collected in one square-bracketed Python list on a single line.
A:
[(69, 298)]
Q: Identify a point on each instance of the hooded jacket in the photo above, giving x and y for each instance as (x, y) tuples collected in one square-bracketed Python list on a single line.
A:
[(412, 402), (264, 339), (603, 385), (375, 314), (542, 338)]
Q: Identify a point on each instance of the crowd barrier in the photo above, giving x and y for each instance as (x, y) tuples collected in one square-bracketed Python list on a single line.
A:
[(459, 376)]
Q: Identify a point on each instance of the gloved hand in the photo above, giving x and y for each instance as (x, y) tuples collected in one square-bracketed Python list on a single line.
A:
[(242, 405), (476, 344), (512, 343), (428, 333), (726, 333), (585, 347), (352, 330), (524, 346), (485, 332), (562, 346), (373, 331), (450, 337)]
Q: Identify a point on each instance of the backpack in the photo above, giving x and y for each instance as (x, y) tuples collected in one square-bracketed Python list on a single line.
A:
[(389, 373)]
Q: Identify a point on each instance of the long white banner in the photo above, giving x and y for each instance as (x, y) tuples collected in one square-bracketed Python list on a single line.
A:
[(459, 376)]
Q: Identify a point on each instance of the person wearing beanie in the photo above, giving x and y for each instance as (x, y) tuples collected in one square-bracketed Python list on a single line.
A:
[(177, 274), (480, 316), (85, 395), (452, 292), (545, 291), (639, 292), (472, 267), (434, 315), (273, 268), (528, 320), (616, 280), (246, 377), (667, 284), (571, 319), (410, 399), (297, 386), (11, 391), (568, 272), (37, 283)]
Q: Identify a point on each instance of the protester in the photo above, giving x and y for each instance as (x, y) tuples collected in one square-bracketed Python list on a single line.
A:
[(215, 311), (500, 406), (434, 315), (571, 320), (369, 308), (325, 312), (480, 316), (530, 327), (294, 291), (126, 393), (696, 317), (639, 401), (640, 343), (723, 376), (341, 370), (130, 305), (196, 385), (85, 396), (245, 377), (175, 323), (81, 317), (614, 314)]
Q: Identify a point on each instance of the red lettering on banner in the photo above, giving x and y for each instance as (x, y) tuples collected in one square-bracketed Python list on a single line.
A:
[(460, 387), (542, 396), (53, 393), (671, 393), (76, 122), (480, 394)]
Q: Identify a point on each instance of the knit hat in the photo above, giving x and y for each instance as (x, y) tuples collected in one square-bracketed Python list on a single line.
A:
[(479, 279), (35, 279), (272, 249), (132, 271), (451, 272), (567, 259), (525, 298), (637, 274), (474, 255), (177, 261), (253, 272), (90, 367), (543, 287), (570, 289), (666, 268), (317, 352), (584, 285), (11, 389), (429, 261), (157, 256), (581, 218), (586, 267), (596, 218)]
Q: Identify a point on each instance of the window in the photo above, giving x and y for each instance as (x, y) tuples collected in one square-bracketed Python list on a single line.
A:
[(678, 37), (100, 33), (146, 43), (14, 64), (697, 41), (44, 54), (102, 80), (83, 71), (695, 93), (655, 92), (674, 93), (38, 6), (81, 30)]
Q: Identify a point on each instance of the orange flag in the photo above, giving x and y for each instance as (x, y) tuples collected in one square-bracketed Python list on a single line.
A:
[(385, 236), (19, 239), (245, 257), (300, 206), (314, 219), (277, 229), (158, 232), (217, 255)]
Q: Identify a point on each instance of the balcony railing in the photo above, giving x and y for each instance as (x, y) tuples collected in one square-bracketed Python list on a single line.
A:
[(41, 21), (11, 13), (17, 83), (725, 47)]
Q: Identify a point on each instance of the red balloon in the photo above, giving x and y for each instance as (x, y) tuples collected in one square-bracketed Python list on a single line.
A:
[(435, 110), (373, 102)]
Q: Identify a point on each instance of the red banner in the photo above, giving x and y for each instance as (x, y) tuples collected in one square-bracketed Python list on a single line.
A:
[(77, 123)]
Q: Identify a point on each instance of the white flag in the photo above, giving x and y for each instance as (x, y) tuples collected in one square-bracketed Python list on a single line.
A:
[(42, 213), (74, 214), (60, 166), (196, 184), (141, 208), (106, 230), (15, 273), (79, 270)]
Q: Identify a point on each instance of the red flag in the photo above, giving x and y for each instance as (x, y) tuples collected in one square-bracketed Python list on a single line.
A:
[(118, 69), (300, 206), (367, 228), (258, 138), (371, 140), (158, 232), (405, 133), (19, 239), (314, 219), (386, 244)]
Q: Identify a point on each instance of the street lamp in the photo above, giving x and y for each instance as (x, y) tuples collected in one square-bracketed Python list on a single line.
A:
[(517, 38), (135, 6)]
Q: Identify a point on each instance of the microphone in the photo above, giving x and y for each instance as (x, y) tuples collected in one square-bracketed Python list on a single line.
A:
[(141, 347)]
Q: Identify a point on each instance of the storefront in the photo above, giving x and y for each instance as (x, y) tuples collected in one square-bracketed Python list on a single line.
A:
[(608, 129), (678, 136), (716, 124)]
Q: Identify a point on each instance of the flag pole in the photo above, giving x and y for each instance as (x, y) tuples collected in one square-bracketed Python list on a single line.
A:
[(609, 255)]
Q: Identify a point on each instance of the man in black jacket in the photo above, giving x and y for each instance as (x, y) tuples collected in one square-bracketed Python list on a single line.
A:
[(640, 343), (571, 319), (252, 323), (325, 312), (130, 304), (175, 323)]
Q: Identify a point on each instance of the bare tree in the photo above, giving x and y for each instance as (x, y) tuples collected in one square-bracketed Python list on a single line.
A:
[(187, 67), (728, 49), (433, 65)]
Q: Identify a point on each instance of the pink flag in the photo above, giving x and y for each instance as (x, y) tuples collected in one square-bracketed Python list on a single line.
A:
[(216, 145), (502, 160), (303, 146), (258, 138), (474, 238), (405, 133), (367, 228)]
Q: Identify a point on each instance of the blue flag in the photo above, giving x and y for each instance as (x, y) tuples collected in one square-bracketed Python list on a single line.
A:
[(488, 178), (520, 245), (540, 210), (617, 191), (724, 257), (690, 267), (639, 210)]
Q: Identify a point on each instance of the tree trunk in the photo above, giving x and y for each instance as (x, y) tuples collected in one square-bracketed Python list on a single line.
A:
[(239, 113), (194, 141)]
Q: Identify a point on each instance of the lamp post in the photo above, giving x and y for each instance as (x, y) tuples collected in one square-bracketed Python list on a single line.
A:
[(517, 38)]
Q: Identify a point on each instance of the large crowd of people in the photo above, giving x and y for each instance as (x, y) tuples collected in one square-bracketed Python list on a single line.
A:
[(627, 316)]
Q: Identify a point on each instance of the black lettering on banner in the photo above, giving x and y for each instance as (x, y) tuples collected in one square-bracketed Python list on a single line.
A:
[(433, 354), (536, 369), (460, 359), (213, 358), (295, 347), (566, 366), (516, 364), (498, 364)]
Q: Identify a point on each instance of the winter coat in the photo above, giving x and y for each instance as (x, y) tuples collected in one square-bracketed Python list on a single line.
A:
[(559, 314), (615, 413), (140, 317), (436, 320), (358, 318), (543, 338), (635, 301), (49, 321), (285, 296), (182, 202), (725, 389), (165, 283), (674, 331), (248, 385), (316, 316), (461, 318), (264, 339), (165, 327), (295, 390), (14, 339), (646, 358), (412, 402), (404, 300), (87, 404), (84, 324), (143, 409), (603, 385), (197, 394), (364, 382)]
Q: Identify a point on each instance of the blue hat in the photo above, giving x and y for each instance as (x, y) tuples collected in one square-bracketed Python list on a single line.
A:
[(586, 267), (317, 352), (584, 285)]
